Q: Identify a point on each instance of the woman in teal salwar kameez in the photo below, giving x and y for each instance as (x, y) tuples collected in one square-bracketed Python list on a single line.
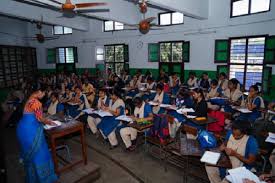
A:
[(35, 154)]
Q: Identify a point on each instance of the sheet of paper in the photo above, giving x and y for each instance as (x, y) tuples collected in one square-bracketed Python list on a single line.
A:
[(89, 111), (270, 138), (244, 110), (238, 174), (271, 112), (58, 123), (124, 118), (153, 91), (192, 88), (181, 111), (191, 117), (153, 103), (223, 98), (165, 105), (102, 113), (71, 103), (173, 108), (210, 157)]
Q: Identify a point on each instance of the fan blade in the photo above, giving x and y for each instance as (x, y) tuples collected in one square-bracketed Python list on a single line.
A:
[(57, 2), (150, 19), (132, 25), (133, 1), (39, 2), (155, 25), (131, 29), (152, 28), (51, 38), (92, 10), (84, 5)]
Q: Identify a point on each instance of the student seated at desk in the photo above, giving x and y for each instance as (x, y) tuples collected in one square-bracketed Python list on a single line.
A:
[(183, 99), (161, 98), (150, 85), (254, 103), (133, 87), (143, 111), (223, 81), (164, 82), (240, 146), (79, 102), (67, 96), (147, 75), (126, 78), (271, 107), (205, 81), (54, 106), (102, 101), (200, 107), (234, 95), (89, 90), (174, 84), (214, 91), (108, 125), (192, 80)]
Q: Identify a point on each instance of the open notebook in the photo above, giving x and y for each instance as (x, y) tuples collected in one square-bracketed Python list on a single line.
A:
[(124, 118), (237, 175), (210, 157), (102, 113)]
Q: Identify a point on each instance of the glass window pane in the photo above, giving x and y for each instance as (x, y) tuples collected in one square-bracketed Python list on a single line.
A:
[(238, 51), (109, 66), (165, 19), (165, 52), (177, 18), (99, 51), (109, 56), (240, 7), (100, 57), (109, 26), (119, 26), (69, 55), (177, 52), (119, 67), (61, 55), (253, 75), (237, 71), (259, 5), (68, 30), (58, 30), (119, 53), (256, 48)]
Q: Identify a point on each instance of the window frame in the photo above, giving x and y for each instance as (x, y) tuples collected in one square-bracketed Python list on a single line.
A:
[(249, 9), (246, 56), (62, 30), (171, 50), (74, 51), (103, 54), (104, 30), (171, 18), (113, 63)]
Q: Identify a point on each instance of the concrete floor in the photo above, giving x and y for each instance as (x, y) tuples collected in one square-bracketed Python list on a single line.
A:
[(117, 166)]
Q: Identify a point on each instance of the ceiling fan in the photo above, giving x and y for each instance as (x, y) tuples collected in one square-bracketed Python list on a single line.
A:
[(39, 36), (68, 9), (145, 25)]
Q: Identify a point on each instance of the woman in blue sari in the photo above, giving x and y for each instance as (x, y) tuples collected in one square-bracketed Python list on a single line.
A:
[(109, 124), (36, 157)]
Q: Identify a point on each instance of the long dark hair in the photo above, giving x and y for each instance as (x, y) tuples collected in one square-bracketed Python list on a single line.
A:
[(244, 126), (200, 91)]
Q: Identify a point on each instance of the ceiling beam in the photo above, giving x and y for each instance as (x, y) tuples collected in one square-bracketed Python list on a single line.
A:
[(26, 11), (193, 8)]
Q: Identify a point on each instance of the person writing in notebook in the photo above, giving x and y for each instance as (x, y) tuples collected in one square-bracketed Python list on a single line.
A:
[(240, 146)]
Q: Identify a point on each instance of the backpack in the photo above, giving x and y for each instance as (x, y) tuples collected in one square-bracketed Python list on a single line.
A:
[(207, 139)]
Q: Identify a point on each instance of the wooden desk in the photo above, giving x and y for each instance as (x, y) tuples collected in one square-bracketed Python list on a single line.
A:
[(139, 127), (64, 130), (204, 122)]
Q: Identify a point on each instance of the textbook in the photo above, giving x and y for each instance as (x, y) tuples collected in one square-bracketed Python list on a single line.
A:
[(48, 127), (102, 113), (270, 138), (237, 175), (89, 111), (210, 157), (124, 118)]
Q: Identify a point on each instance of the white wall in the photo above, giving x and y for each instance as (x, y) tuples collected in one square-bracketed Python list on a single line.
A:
[(202, 45), (12, 32)]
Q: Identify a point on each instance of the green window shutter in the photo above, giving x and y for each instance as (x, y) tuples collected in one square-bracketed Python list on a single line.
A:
[(153, 52), (186, 51), (126, 53), (222, 68), (51, 56), (177, 68), (269, 50), (266, 84), (165, 68), (221, 51)]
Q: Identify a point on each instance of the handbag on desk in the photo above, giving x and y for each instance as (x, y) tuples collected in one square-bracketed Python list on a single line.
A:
[(207, 139)]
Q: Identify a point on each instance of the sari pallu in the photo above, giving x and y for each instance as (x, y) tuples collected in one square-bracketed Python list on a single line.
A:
[(36, 157)]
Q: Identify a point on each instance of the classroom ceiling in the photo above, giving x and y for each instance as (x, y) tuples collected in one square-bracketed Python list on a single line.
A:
[(125, 11)]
